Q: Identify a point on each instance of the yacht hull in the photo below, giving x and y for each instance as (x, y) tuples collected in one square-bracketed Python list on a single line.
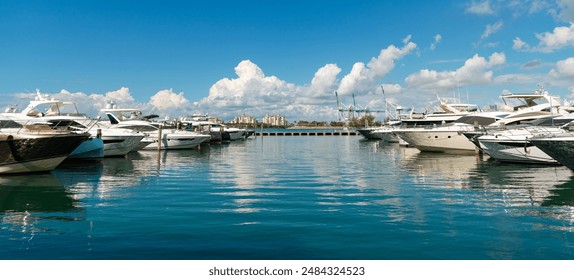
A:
[(433, 140), (368, 133), (92, 148), (559, 148), (178, 141), (120, 145), (514, 150), (379, 133), (35, 153), (236, 134)]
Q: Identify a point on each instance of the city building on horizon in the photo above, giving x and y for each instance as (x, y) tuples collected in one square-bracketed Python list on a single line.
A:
[(274, 120), (243, 119)]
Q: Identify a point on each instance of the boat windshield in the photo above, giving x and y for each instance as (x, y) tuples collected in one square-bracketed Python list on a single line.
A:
[(55, 108)]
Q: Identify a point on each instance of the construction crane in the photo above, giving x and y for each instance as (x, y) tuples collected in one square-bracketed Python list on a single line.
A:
[(350, 112)]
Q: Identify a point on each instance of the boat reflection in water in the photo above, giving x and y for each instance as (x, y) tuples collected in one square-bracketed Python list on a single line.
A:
[(498, 187), (480, 172), (519, 185), (102, 181), (30, 205), (437, 169)]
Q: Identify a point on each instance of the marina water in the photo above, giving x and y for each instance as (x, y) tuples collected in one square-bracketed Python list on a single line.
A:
[(292, 197)]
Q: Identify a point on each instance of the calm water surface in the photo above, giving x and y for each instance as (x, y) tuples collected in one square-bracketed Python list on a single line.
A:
[(300, 197)]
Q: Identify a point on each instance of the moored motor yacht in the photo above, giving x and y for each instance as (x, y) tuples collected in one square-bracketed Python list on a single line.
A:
[(203, 125), (34, 147), (117, 142), (105, 141), (448, 112), (513, 145), (451, 138), (218, 131), (158, 136), (448, 138), (60, 115)]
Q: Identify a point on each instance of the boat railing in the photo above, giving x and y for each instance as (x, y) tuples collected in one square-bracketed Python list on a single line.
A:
[(544, 131)]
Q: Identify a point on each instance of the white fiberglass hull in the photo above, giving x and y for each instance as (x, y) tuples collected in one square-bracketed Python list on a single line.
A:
[(120, 145), (514, 145), (40, 165), (515, 149), (436, 140), (146, 141), (177, 141)]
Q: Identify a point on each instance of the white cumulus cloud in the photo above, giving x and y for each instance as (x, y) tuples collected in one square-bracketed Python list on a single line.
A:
[(564, 68), (251, 88), (123, 95), (166, 100), (364, 78), (324, 78), (476, 70), (254, 93), (561, 37)]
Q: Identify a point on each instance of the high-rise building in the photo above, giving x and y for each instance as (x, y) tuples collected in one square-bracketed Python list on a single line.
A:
[(274, 120), (243, 119)]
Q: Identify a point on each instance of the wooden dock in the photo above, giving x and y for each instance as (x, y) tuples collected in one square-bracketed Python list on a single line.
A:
[(307, 133)]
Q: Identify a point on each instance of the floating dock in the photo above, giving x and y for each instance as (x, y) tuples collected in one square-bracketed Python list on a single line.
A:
[(307, 133)]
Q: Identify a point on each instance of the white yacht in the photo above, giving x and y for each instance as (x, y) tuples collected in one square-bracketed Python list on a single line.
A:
[(218, 131), (34, 147), (156, 135), (201, 123), (117, 142), (451, 138), (59, 114), (447, 113), (447, 138), (105, 141), (513, 145)]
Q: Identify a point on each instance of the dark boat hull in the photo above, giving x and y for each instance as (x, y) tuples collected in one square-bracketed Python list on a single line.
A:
[(29, 152)]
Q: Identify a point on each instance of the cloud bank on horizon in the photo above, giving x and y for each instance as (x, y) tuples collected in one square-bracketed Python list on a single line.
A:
[(252, 92)]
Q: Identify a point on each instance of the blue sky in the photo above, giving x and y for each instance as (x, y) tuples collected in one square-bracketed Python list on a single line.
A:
[(227, 58)]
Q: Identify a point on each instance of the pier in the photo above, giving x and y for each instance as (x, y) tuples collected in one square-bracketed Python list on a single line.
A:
[(307, 133)]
